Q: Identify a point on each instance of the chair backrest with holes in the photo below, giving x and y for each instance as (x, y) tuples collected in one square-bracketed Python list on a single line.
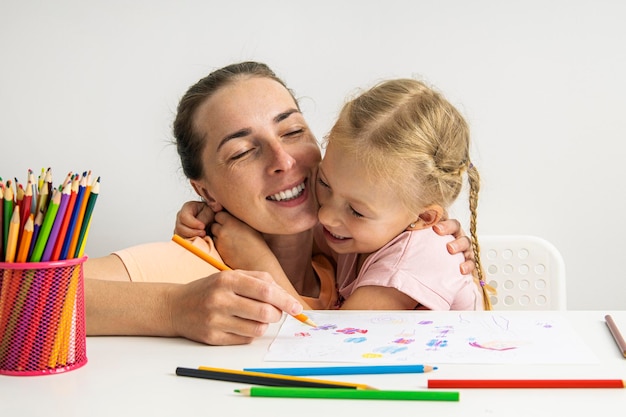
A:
[(527, 272)]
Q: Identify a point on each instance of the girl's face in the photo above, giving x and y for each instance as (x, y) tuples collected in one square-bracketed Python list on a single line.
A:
[(359, 214), (260, 157)]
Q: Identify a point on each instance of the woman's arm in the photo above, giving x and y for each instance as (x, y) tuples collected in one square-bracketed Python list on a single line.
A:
[(230, 307)]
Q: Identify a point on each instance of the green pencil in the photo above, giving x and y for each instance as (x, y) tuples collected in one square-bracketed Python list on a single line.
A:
[(91, 202), (46, 226), (291, 392)]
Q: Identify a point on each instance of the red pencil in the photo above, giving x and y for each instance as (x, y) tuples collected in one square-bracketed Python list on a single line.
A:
[(525, 383), (26, 203)]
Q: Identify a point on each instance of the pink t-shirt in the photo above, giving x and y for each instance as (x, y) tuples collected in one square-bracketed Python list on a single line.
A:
[(418, 264)]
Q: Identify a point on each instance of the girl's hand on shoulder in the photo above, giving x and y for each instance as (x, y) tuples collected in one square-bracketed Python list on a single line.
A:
[(239, 245), (461, 244), (192, 219)]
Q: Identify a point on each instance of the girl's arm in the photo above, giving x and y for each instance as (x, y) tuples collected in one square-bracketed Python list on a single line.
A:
[(461, 244), (372, 297), (242, 247)]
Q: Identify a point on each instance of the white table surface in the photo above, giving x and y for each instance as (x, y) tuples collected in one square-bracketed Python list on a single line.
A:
[(135, 376)]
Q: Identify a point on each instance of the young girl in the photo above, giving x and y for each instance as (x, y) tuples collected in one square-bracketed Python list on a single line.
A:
[(395, 160)]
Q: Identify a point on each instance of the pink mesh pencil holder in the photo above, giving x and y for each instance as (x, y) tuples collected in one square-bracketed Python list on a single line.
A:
[(42, 317)]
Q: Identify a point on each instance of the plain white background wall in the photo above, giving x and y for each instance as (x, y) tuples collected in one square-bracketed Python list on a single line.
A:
[(95, 84)]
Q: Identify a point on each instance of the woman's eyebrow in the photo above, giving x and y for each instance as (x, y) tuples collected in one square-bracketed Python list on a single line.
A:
[(282, 116), (238, 134), (247, 131)]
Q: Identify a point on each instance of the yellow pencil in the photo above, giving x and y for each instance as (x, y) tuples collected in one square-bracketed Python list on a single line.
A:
[(14, 229), (223, 267), (259, 378)]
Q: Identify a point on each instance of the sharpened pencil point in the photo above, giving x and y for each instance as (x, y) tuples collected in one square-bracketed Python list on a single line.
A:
[(304, 319)]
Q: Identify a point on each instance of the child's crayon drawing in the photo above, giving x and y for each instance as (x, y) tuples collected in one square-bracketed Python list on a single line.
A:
[(434, 337)]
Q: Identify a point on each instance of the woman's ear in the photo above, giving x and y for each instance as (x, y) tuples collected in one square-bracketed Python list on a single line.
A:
[(427, 218), (206, 196)]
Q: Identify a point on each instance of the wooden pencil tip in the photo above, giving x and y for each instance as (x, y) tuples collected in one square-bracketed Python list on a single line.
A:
[(303, 318), (310, 323)]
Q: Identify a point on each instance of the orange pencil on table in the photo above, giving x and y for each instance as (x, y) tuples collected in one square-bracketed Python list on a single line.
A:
[(25, 239), (223, 267)]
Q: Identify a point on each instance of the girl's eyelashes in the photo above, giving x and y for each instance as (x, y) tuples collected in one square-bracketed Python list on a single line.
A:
[(355, 213), (322, 183)]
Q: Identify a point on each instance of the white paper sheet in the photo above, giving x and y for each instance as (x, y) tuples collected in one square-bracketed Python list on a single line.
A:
[(374, 337)]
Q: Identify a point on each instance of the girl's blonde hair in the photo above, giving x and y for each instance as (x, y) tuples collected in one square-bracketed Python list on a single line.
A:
[(410, 135)]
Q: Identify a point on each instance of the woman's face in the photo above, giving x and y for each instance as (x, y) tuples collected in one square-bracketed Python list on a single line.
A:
[(260, 158)]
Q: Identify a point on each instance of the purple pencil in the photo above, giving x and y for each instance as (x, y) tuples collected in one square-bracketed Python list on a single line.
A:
[(73, 227)]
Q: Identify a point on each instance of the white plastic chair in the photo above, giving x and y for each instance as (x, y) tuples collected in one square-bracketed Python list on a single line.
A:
[(527, 272)]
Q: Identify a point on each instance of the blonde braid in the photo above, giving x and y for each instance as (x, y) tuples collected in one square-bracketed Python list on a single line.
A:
[(474, 182)]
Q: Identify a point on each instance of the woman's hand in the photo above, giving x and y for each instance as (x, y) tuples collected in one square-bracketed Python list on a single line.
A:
[(192, 219), (229, 307), (226, 308), (461, 244)]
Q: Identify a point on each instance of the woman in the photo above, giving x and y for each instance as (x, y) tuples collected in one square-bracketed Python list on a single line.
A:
[(246, 148)]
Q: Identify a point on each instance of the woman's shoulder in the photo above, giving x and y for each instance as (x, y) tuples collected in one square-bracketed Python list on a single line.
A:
[(167, 261)]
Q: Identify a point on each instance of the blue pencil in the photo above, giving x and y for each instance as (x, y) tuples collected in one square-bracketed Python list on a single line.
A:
[(346, 370), (73, 227)]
